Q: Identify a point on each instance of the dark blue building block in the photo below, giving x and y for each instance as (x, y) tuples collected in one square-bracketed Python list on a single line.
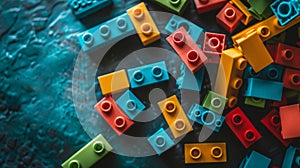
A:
[(106, 33), (191, 81), (272, 72), (264, 89), (160, 141), (291, 157), (148, 74), (206, 117), (176, 22), (83, 8), (285, 10), (255, 160), (130, 104)]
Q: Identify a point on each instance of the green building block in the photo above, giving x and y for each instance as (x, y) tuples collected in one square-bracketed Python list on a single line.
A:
[(214, 102), (260, 9), (89, 154), (256, 102), (176, 6)]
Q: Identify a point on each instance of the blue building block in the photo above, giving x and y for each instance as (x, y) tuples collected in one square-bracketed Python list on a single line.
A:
[(176, 22), (130, 104), (148, 74), (264, 89), (206, 117), (272, 72), (160, 141), (106, 33), (255, 160), (190, 81), (291, 157), (83, 8), (285, 10)]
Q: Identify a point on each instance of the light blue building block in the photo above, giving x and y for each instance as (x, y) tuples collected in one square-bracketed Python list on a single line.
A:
[(285, 10), (130, 104), (160, 141), (176, 22), (264, 89), (255, 160), (291, 158), (191, 81), (148, 74), (272, 72), (106, 33), (206, 117)]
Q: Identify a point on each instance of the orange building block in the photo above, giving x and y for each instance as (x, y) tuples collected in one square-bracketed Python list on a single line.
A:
[(113, 82), (231, 69), (175, 116), (290, 117), (144, 24), (205, 152), (247, 15)]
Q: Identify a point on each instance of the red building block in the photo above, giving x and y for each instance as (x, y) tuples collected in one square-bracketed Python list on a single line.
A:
[(187, 49), (272, 50), (290, 117), (113, 115), (229, 17), (208, 5), (283, 102), (214, 43), (287, 56), (242, 127), (291, 78), (272, 122)]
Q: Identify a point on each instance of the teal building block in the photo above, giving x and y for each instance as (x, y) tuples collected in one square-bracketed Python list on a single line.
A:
[(160, 141), (130, 104), (260, 9), (272, 72), (255, 160), (92, 152), (106, 33), (83, 8), (190, 81), (291, 157), (285, 10), (214, 102), (256, 102), (176, 6)]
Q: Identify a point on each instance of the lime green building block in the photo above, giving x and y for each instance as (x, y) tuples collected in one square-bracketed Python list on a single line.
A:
[(260, 9), (256, 102), (214, 102), (89, 154), (176, 6)]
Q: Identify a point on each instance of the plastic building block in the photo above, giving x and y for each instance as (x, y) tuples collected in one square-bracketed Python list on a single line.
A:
[(214, 102), (188, 81), (257, 55), (106, 33), (291, 79), (272, 122), (113, 82), (214, 43), (144, 24), (260, 9), (187, 49), (177, 6), (206, 117), (285, 11), (272, 72), (204, 6), (287, 56), (247, 15), (256, 102), (205, 152), (242, 127), (291, 157), (83, 8), (176, 22), (280, 38), (256, 160), (230, 73), (229, 17), (113, 115), (266, 29), (160, 141), (289, 116), (175, 116), (259, 88), (130, 104), (88, 155), (283, 102), (148, 74)]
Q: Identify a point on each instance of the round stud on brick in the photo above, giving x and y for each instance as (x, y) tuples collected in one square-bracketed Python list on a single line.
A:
[(119, 122), (297, 160), (237, 83), (294, 79), (241, 64), (252, 73), (287, 55), (264, 31), (74, 164), (178, 38), (284, 9), (232, 101), (195, 153), (104, 31), (197, 113), (208, 117), (75, 5), (204, 1), (193, 57), (138, 76), (237, 119), (170, 107), (249, 135), (89, 1), (216, 152), (179, 125), (146, 29), (98, 147), (122, 24), (106, 106), (185, 25), (175, 2), (138, 13), (218, 123), (160, 141), (173, 23), (157, 72), (216, 102), (88, 39), (214, 43), (131, 105), (230, 14), (275, 120), (273, 73), (256, 100)]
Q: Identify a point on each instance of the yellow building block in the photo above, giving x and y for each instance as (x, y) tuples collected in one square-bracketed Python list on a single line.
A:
[(175, 116), (247, 15), (266, 29), (205, 152), (254, 51), (143, 23), (231, 69), (113, 82)]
